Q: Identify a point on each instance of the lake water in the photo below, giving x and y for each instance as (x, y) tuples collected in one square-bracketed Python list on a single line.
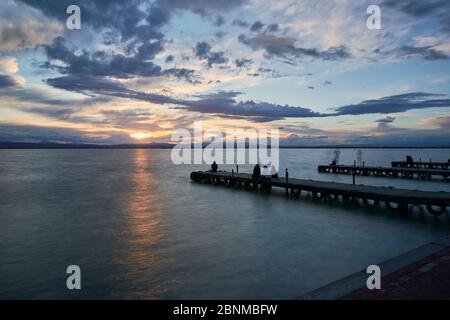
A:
[(139, 229)]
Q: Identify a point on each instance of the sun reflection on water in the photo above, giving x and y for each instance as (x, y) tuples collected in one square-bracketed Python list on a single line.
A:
[(142, 234)]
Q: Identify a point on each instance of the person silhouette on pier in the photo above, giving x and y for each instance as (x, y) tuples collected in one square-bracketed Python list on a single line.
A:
[(214, 167), (274, 172), (256, 172), (409, 160), (266, 173)]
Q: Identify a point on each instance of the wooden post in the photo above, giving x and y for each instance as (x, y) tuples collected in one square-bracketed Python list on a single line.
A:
[(364, 163), (353, 176), (232, 172), (287, 181), (237, 168), (354, 163), (403, 208)]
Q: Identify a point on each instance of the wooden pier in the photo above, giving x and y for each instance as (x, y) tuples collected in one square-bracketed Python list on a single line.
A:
[(421, 165), (394, 199), (408, 173)]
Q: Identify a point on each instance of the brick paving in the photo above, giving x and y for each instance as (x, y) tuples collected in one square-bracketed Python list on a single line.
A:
[(426, 279)]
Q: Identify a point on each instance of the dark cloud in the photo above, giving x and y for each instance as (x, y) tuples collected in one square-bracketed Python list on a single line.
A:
[(284, 47), (64, 114), (102, 64), (170, 58), (243, 62), (221, 103), (93, 85), (311, 88), (7, 81), (418, 9), (256, 26), (203, 51), (30, 95), (225, 103), (182, 73), (134, 24), (395, 104), (240, 23), (327, 83), (261, 69), (202, 6), (125, 17), (121, 16), (219, 34), (219, 21), (427, 53), (384, 123), (272, 27), (387, 119)]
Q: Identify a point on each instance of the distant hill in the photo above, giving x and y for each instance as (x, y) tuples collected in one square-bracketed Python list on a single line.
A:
[(50, 145)]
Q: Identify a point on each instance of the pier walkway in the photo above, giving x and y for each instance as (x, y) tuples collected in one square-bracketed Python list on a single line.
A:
[(394, 199), (407, 173)]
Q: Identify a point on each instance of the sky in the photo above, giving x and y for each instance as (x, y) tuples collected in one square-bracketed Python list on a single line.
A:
[(137, 70)]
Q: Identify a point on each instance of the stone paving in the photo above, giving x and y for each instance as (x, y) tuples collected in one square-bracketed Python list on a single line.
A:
[(426, 279)]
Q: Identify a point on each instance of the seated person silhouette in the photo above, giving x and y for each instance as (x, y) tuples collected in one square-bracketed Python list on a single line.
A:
[(409, 160), (266, 173), (214, 167), (274, 172), (256, 172)]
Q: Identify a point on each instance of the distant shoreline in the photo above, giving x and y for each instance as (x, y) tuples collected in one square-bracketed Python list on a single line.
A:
[(24, 145)]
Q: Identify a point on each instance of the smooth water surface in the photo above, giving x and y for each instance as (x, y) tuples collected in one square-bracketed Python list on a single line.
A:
[(139, 228)]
